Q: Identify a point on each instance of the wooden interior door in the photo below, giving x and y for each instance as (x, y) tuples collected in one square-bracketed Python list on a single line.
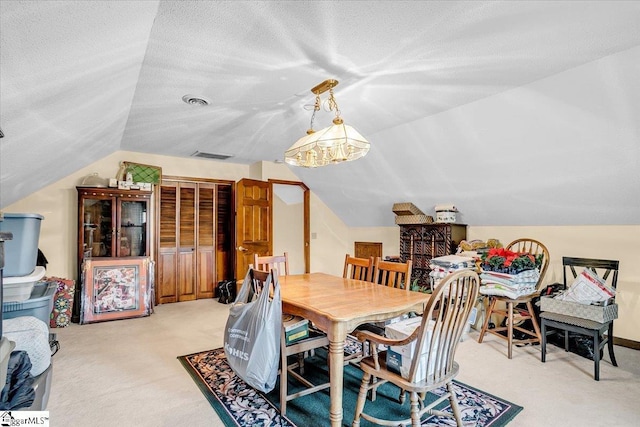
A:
[(206, 244), (254, 227), (166, 285), (187, 242)]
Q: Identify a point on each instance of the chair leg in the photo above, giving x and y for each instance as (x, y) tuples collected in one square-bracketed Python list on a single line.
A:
[(415, 409), (373, 388), (483, 331), (610, 345), (454, 403), (362, 396), (566, 340), (543, 343), (596, 355), (536, 327), (510, 329), (283, 381)]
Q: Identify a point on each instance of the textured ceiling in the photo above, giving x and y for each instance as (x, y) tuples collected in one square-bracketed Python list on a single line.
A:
[(519, 113)]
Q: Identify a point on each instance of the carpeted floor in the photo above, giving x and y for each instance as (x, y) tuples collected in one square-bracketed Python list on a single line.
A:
[(240, 405)]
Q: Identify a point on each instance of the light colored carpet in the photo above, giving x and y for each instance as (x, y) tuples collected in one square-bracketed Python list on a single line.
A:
[(125, 373)]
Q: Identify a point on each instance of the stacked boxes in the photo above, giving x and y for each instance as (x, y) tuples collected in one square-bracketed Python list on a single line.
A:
[(408, 213)]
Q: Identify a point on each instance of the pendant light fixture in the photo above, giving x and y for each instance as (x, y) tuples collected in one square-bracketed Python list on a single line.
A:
[(334, 144)]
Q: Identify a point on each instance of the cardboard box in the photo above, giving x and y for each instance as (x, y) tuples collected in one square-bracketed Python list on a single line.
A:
[(414, 219), (596, 313), (295, 328), (406, 209), (399, 358)]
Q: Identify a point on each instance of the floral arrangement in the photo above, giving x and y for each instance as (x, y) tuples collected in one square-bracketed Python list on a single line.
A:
[(503, 260)]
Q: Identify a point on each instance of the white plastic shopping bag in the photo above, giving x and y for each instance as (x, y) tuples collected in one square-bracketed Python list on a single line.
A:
[(252, 334)]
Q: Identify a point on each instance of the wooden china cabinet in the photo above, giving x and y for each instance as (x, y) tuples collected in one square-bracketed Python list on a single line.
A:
[(421, 242), (111, 223)]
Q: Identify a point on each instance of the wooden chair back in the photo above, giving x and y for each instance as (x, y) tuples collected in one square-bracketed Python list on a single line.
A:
[(534, 248), (358, 268), (602, 267), (443, 323), (280, 263), (394, 274)]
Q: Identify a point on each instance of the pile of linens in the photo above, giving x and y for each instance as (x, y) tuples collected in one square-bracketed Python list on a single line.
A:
[(509, 285), (445, 265)]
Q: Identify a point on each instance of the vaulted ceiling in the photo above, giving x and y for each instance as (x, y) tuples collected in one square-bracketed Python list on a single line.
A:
[(517, 112)]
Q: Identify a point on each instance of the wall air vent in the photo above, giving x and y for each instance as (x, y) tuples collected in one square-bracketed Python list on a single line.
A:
[(213, 156)]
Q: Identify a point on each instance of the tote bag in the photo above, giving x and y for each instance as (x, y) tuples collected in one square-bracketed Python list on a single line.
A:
[(252, 334)]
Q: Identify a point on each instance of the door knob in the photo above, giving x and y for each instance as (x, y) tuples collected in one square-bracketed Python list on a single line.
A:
[(242, 249)]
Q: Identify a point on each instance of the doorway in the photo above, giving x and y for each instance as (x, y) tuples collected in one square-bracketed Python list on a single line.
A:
[(292, 223)]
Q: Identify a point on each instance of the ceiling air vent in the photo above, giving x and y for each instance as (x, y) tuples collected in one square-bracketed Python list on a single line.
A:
[(195, 100), (214, 156)]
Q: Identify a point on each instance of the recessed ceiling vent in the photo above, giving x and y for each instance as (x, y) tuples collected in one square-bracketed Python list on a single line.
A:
[(213, 156), (195, 100)]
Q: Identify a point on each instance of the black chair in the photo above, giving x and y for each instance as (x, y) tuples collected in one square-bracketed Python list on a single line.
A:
[(603, 268)]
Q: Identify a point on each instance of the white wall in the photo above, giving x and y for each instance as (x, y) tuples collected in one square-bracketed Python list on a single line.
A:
[(288, 232)]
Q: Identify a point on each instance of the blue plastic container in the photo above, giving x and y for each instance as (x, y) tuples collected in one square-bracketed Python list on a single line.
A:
[(21, 253), (39, 305)]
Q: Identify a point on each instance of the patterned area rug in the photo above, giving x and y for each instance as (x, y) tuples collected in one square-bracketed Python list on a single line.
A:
[(238, 404)]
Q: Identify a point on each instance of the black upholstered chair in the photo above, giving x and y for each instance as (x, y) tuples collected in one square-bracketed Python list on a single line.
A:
[(606, 270)]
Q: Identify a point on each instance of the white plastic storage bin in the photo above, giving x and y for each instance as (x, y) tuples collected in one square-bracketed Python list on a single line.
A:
[(40, 303), (17, 289), (21, 253)]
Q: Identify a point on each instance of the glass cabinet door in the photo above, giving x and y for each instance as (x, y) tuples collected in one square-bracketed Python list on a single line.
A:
[(133, 228), (98, 227)]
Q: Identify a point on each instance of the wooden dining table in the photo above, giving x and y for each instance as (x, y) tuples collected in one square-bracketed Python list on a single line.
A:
[(336, 306)]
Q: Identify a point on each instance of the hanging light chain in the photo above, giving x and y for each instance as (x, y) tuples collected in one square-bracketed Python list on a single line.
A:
[(316, 108), (333, 106)]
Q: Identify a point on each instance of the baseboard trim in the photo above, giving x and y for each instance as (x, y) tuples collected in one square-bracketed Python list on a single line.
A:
[(626, 343)]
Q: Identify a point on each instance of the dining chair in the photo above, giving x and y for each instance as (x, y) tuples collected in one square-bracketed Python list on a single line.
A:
[(358, 268), (385, 273), (434, 345), (517, 309), (394, 274), (297, 348), (606, 270), (280, 263)]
